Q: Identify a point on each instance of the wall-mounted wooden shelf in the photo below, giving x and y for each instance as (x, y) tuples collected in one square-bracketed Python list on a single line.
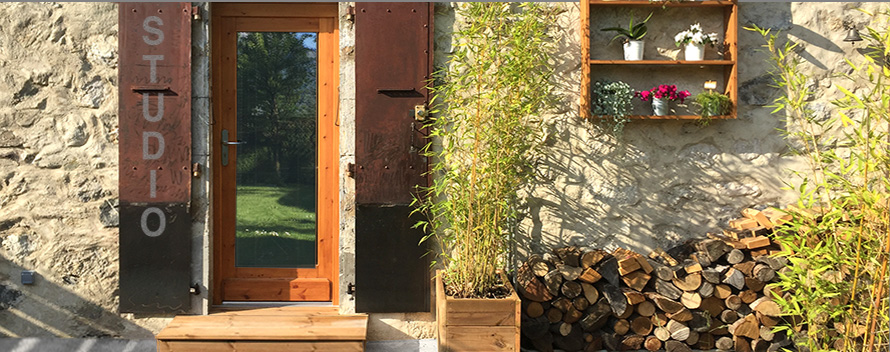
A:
[(646, 73)]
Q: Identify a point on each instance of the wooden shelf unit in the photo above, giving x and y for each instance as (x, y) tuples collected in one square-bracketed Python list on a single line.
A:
[(728, 64)]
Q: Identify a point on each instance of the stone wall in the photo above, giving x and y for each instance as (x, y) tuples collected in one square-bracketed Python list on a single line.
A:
[(661, 182)]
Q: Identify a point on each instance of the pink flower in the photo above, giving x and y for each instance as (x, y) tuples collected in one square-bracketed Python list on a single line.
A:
[(663, 91)]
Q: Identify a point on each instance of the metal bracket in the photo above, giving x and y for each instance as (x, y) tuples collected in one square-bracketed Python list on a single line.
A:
[(195, 289), (196, 13), (420, 112), (350, 13), (350, 170), (350, 288), (224, 152)]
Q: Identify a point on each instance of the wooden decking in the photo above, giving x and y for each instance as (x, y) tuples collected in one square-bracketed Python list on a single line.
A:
[(268, 329)]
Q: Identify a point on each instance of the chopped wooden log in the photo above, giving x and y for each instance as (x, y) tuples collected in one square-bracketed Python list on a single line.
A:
[(541, 268), (608, 268), (627, 313), (591, 258), (764, 273), (735, 278), (554, 315), (758, 345), (676, 346), (743, 223), (693, 338), (712, 305), (745, 267), (690, 282), (659, 319), (664, 273), (627, 265), (756, 242), (633, 297), (767, 320), (644, 264), (632, 343), (691, 300), (572, 316), (553, 281), (543, 343), (641, 326), (580, 303), (574, 341), (534, 309), (529, 286), (701, 322), (534, 327), (610, 342), (723, 343), (776, 216), (733, 302), (683, 315), (754, 284), (562, 303), (652, 343), (568, 255), (571, 289), (678, 330), (736, 235), (757, 215), (748, 296), (665, 304), (722, 291), (711, 275), (561, 328), (568, 272), (667, 289), (729, 316), (692, 266), (746, 327), (705, 341), (646, 308), (766, 333), (597, 316), (621, 326), (706, 289), (713, 248), (667, 257), (616, 299), (636, 280), (740, 344), (735, 256), (766, 306), (662, 333), (590, 276)]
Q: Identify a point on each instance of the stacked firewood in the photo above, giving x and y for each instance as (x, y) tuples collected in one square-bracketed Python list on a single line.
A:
[(704, 294)]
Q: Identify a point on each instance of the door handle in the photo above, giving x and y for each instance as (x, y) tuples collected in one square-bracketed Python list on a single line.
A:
[(224, 152)]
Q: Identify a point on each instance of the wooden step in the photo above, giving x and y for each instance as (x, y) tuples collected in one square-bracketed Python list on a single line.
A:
[(266, 329)]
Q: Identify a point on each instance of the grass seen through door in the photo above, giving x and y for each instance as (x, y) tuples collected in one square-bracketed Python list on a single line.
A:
[(275, 226)]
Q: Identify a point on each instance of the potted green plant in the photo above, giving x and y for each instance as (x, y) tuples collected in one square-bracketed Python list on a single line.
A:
[(712, 104), (661, 96), (633, 37), (694, 41), (486, 130), (612, 101)]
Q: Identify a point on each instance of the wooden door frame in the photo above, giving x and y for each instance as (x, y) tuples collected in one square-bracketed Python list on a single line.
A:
[(227, 20)]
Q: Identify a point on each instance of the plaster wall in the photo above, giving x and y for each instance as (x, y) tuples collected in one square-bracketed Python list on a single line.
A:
[(658, 184)]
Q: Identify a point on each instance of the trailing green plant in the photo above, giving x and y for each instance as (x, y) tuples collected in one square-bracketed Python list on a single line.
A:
[(632, 32), (712, 104), (839, 242), (488, 102), (612, 102)]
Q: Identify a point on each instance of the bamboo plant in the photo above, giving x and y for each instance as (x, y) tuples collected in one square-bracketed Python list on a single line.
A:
[(487, 105)]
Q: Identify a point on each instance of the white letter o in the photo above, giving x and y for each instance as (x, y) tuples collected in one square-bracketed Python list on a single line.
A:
[(161, 225)]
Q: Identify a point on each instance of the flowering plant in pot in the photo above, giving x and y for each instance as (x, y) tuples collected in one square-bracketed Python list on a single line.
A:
[(661, 96), (695, 40), (633, 37)]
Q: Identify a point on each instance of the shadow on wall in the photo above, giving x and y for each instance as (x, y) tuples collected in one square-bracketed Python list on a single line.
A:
[(46, 309), (662, 182)]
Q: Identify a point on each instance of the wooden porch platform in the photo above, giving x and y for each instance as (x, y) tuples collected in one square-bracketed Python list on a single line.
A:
[(267, 329)]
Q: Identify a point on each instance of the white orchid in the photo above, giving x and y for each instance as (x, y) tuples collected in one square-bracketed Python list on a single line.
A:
[(694, 35)]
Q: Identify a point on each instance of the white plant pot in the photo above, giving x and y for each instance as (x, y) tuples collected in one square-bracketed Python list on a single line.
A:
[(660, 106), (695, 52), (633, 50)]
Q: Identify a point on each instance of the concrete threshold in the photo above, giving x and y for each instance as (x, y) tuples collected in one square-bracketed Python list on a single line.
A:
[(425, 345), (48, 344)]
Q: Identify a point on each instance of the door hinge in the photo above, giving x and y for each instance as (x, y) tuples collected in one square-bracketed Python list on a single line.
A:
[(350, 288), (196, 13), (350, 170)]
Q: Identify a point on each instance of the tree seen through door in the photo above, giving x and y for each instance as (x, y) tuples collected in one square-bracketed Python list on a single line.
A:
[(276, 164)]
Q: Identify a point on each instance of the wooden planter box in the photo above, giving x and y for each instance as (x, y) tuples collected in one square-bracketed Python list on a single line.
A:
[(467, 324)]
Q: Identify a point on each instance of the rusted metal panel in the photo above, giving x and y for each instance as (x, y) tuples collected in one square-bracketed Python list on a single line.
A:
[(154, 156), (392, 272), (155, 258), (392, 66), (155, 68)]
